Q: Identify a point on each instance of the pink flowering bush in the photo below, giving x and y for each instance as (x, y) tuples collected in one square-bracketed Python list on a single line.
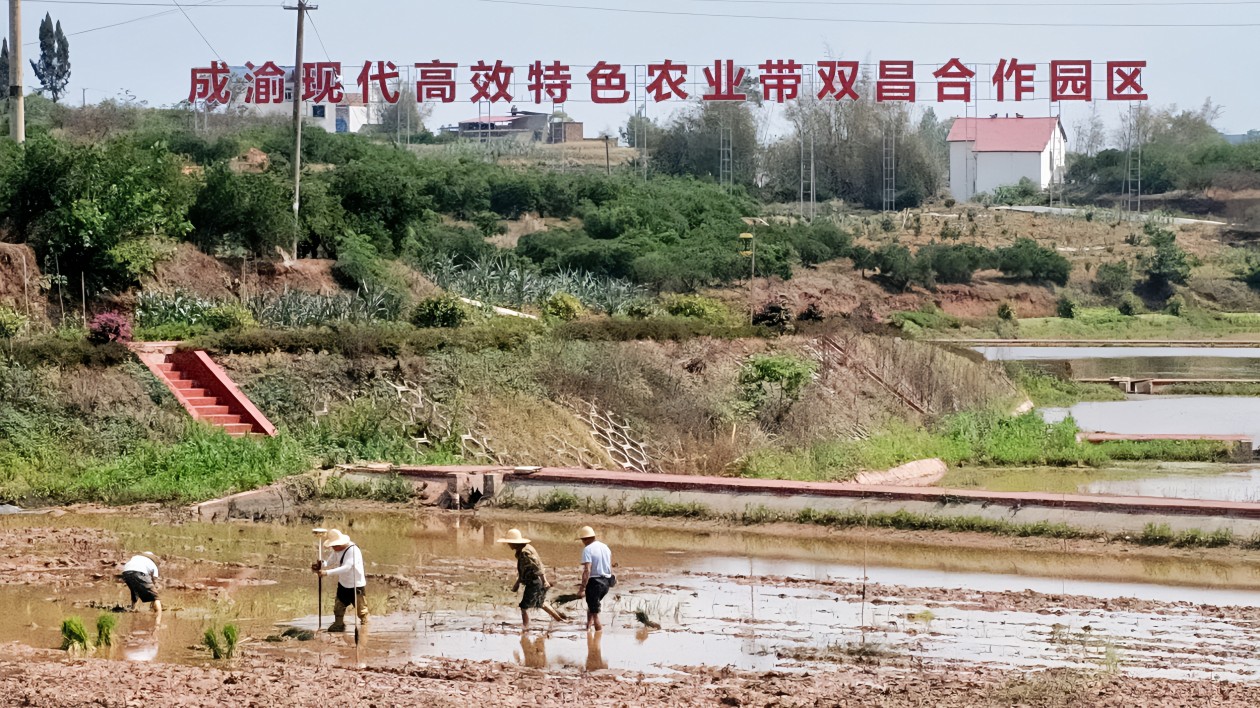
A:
[(109, 327)]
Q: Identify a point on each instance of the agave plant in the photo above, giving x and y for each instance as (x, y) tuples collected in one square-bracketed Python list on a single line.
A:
[(155, 308), (293, 308), (503, 280)]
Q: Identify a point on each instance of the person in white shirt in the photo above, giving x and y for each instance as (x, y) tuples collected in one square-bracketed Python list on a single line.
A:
[(344, 561), (139, 574), (597, 575)]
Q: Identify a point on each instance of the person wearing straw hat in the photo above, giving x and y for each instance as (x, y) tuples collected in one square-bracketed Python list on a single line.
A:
[(139, 574), (531, 574), (597, 575), (344, 562)]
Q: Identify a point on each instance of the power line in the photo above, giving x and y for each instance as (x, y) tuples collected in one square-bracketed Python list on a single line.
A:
[(204, 3), (311, 19), (837, 20), (146, 4), (1032, 5), (199, 32)]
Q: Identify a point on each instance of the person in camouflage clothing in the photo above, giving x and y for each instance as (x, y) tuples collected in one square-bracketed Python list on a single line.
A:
[(531, 574)]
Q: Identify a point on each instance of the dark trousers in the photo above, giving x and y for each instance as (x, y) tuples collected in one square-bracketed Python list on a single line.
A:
[(596, 589)]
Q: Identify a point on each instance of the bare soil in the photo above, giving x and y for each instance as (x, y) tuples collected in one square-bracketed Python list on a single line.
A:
[(47, 678)]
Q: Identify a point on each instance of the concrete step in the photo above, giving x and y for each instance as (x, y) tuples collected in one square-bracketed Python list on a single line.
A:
[(200, 401), (238, 429), (191, 393), (209, 410), (224, 419), (182, 383), (166, 367)]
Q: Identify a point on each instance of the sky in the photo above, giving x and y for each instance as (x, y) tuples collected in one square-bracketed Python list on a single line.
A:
[(1188, 60)]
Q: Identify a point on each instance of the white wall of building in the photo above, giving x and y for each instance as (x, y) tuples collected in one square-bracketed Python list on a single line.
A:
[(962, 170), (995, 169)]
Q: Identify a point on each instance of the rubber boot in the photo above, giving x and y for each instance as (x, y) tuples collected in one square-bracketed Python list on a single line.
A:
[(339, 617)]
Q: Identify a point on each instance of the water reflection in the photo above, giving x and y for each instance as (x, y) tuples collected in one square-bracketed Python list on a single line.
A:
[(1138, 362), (594, 652), (1167, 415), (533, 651)]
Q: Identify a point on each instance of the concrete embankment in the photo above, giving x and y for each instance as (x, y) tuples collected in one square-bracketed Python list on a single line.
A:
[(461, 487)]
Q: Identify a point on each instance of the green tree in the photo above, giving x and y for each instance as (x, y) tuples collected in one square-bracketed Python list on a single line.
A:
[(53, 67), (1169, 264), (4, 62)]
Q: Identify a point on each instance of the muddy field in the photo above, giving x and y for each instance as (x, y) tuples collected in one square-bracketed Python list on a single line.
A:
[(783, 617)]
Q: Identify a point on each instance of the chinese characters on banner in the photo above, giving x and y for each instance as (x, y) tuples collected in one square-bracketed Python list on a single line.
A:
[(779, 81)]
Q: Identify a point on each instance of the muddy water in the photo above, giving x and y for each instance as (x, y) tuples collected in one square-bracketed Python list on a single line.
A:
[(722, 597), (1140, 362)]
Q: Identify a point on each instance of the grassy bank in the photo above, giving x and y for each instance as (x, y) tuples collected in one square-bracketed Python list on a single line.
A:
[(970, 439), (1151, 534), (1108, 323), (1045, 390), (1212, 389)]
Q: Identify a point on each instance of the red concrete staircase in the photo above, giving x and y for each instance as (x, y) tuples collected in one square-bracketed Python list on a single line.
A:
[(203, 388)]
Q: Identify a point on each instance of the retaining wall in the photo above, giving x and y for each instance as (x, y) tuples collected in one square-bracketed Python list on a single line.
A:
[(1111, 514)]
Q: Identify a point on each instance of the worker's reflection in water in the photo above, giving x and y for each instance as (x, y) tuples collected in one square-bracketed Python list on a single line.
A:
[(142, 643), (534, 651), (594, 653)]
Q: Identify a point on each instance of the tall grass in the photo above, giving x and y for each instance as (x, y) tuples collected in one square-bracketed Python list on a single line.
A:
[(975, 438), (1043, 389)]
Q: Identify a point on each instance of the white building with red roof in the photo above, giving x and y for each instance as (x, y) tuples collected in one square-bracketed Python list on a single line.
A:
[(986, 153)]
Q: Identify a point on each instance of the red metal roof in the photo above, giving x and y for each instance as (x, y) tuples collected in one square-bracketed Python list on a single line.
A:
[(1004, 134), (491, 119)]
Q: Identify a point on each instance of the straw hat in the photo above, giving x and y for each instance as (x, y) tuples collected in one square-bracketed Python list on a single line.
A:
[(513, 536), (150, 556), (585, 533), (336, 538)]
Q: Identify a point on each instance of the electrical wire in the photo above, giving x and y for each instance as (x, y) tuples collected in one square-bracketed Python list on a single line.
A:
[(311, 19), (1032, 6), (204, 3), (837, 20), (199, 32), (149, 4)]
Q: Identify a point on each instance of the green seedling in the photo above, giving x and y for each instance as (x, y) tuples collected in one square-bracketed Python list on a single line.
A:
[(74, 636), (105, 630)]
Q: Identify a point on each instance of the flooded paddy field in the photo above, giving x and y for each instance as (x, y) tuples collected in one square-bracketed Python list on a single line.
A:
[(724, 598), (1168, 480)]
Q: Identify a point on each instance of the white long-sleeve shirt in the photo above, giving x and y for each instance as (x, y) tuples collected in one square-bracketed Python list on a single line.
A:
[(346, 566)]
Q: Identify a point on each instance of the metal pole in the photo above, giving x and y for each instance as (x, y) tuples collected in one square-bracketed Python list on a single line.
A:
[(297, 125), (17, 98)]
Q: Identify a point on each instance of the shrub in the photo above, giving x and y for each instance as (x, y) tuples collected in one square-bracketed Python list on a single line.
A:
[(442, 311), (1176, 305), (563, 307), (1025, 260), (1006, 312), (949, 203), (773, 382), (228, 316), (109, 327), (642, 309), (1066, 307), (1169, 264), (487, 222), (12, 323), (776, 315), (1113, 279), (698, 307), (813, 312), (1129, 305)]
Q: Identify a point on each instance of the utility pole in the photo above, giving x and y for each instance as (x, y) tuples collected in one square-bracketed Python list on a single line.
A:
[(17, 98), (301, 8)]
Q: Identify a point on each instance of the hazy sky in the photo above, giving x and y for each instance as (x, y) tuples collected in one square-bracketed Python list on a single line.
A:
[(152, 57)]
